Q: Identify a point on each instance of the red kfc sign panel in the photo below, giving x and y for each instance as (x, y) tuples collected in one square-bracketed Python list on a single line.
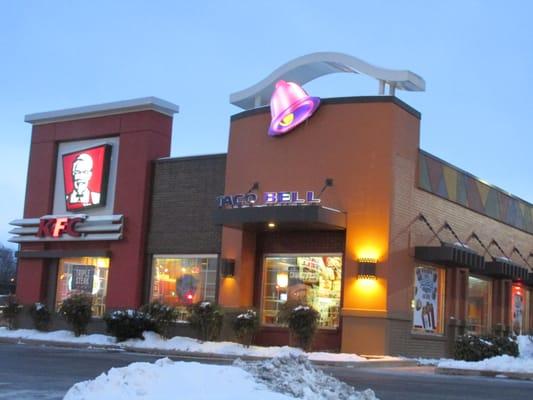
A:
[(85, 175)]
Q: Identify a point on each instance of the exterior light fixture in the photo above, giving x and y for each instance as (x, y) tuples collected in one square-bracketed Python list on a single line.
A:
[(271, 225), (227, 268), (367, 268)]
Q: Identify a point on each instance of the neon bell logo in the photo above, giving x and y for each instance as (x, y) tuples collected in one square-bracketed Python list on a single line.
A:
[(290, 105)]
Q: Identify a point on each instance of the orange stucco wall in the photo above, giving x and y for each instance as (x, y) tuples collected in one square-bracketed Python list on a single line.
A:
[(354, 143)]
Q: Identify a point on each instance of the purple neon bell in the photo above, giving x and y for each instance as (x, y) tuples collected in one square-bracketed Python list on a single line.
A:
[(290, 105)]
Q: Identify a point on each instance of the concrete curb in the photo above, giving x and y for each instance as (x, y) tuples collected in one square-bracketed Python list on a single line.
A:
[(373, 363), (490, 374)]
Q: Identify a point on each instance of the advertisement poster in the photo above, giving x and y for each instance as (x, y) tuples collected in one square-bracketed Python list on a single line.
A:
[(82, 278), (85, 177), (518, 310), (426, 301)]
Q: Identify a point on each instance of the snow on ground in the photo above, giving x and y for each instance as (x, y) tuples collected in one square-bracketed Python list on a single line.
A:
[(297, 377), (521, 364), (500, 363), (277, 379), (166, 379), (177, 343)]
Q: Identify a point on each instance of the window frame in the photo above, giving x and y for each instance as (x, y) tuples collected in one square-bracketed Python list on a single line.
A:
[(61, 265), (185, 256), (295, 255), (484, 329)]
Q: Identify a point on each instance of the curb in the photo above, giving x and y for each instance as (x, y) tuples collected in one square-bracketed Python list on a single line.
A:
[(373, 363), (490, 374)]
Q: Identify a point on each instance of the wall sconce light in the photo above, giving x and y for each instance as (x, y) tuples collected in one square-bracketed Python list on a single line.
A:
[(367, 268), (227, 267)]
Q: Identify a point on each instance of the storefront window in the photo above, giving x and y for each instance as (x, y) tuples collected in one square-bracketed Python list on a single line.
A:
[(314, 280), (478, 305), (428, 300), (83, 275), (518, 310), (183, 280)]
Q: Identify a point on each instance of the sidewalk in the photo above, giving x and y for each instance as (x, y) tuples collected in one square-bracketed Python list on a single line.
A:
[(371, 362), (486, 373)]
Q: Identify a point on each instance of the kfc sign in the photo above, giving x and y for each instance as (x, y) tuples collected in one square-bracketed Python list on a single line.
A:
[(85, 175), (56, 227)]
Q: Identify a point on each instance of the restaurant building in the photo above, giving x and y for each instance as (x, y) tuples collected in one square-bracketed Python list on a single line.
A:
[(328, 202)]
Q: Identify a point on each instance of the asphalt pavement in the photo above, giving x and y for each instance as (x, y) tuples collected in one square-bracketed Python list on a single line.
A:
[(38, 372)]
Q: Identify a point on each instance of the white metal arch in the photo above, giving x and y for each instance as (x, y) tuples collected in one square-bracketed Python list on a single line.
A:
[(306, 68)]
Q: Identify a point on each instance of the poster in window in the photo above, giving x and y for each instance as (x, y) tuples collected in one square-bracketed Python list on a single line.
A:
[(518, 310), (85, 175), (426, 300), (82, 278)]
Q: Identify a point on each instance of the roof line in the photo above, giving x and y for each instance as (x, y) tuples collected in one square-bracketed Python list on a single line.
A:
[(99, 110), (312, 66)]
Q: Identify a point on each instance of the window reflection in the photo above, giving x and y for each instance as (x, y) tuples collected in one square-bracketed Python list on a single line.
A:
[(83, 275), (478, 311), (183, 280), (314, 280)]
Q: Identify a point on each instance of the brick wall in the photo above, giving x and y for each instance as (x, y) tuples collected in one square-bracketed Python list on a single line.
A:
[(407, 232), (183, 201)]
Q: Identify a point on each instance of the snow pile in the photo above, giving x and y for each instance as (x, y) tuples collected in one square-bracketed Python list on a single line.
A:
[(166, 379), (297, 377), (525, 346), (505, 363), (177, 343), (57, 336), (500, 363)]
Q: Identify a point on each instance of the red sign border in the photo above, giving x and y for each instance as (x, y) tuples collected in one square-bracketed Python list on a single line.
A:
[(108, 148)]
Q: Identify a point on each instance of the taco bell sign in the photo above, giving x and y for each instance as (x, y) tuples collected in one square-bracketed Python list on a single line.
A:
[(269, 198)]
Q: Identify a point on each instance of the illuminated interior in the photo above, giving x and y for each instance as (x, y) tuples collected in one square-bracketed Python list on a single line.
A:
[(183, 280), (83, 275), (519, 309), (478, 305), (314, 280)]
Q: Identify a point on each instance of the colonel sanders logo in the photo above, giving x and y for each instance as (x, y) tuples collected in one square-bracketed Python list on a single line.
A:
[(85, 177)]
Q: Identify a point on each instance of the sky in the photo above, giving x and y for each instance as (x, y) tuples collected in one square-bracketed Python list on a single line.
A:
[(475, 56)]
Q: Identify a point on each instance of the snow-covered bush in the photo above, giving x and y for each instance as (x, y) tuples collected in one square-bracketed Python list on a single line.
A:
[(245, 326), (77, 311), (206, 319), (303, 323), (477, 348), (161, 317), (40, 315), (10, 311), (127, 324)]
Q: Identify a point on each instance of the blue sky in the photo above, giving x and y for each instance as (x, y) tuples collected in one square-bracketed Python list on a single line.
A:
[(476, 58)]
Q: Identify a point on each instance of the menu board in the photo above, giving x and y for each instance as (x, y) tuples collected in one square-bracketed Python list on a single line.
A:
[(82, 277), (426, 301)]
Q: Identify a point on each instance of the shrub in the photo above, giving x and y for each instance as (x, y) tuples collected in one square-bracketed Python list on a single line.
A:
[(161, 317), (10, 312), (40, 314), (476, 348), (206, 319), (303, 323), (127, 324), (245, 326), (77, 311)]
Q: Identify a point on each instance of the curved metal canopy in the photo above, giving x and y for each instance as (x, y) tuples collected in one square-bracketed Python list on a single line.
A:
[(306, 68)]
